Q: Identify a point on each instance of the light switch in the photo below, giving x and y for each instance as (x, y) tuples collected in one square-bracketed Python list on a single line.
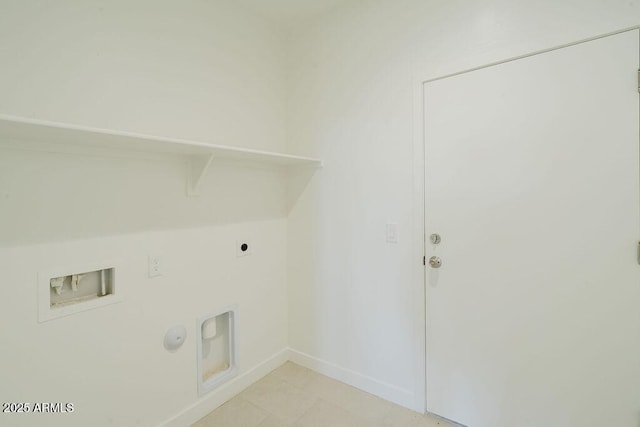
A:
[(155, 266), (392, 232)]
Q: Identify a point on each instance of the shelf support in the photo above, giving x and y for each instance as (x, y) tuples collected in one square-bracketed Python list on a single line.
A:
[(198, 165)]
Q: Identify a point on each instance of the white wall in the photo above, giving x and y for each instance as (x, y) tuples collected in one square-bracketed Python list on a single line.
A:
[(357, 303), (196, 70), (110, 362), (202, 70)]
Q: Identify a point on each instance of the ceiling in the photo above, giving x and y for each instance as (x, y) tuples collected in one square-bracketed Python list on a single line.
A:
[(290, 12)]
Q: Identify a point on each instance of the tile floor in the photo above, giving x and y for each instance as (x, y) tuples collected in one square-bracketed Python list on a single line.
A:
[(295, 396)]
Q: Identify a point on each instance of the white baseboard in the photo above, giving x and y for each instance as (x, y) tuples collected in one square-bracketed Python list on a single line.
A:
[(208, 403), (378, 388), (227, 391)]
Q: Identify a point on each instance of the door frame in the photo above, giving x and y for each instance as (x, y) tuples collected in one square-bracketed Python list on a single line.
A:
[(420, 200)]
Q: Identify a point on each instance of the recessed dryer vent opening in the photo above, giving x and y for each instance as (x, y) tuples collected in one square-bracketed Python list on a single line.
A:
[(216, 350)]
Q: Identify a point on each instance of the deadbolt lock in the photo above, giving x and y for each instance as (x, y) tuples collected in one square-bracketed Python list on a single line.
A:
[(435, 238)]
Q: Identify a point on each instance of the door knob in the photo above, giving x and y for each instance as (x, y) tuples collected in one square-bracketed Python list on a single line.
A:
[(435, 262)]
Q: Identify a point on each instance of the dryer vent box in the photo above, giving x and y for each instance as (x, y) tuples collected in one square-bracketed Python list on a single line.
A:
[(216, 350)]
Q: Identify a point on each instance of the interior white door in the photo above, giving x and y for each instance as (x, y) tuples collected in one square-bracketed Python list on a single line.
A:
[(533, 319)]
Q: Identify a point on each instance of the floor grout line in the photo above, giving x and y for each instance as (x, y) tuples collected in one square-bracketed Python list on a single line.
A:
[(300, 397)]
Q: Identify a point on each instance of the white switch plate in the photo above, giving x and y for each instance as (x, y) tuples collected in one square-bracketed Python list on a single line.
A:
[(155, 266), (392, 232)]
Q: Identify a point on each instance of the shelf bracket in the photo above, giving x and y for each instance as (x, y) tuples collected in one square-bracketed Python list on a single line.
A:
[(197, 169)]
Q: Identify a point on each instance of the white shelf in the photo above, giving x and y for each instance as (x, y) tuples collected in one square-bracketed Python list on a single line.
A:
[(21, 132)]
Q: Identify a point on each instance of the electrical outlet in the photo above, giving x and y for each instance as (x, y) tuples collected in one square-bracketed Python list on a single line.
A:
[(155, 266), (392, 232), (243, 248)]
